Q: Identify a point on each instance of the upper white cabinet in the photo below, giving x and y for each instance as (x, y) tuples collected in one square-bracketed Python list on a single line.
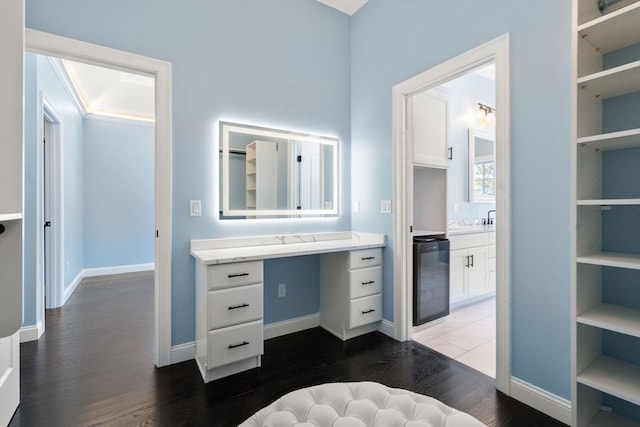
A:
[(429, 128), (606, 326)]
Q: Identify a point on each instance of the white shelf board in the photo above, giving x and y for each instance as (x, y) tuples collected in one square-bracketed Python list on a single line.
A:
[(608, 419), (608, 202), (614, 377), (614, 81), (10, 217), (613, 318), (612, 259), (613, 141), (613, 31)]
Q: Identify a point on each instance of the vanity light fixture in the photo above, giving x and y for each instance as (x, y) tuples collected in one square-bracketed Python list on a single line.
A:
[(485, 110)]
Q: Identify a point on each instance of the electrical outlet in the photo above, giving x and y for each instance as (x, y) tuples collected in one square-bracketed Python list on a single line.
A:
[(282, 290), (385, 206), (195, 208), (455, 207), (355, 206)]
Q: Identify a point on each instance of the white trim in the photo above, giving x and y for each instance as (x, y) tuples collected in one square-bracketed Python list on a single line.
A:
[(31, 333), (66, 48), (62, 74), (117, 269), (123, 120), (183, 352), (386, 328), (496, 50), (290, 326), (69, 290), (54, 289), (548, 403)]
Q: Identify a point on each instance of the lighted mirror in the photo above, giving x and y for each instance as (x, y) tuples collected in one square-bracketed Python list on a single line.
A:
[(482, 166), (272, 173)]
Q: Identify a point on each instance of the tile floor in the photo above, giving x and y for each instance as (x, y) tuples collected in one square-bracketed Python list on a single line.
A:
[(468, 335)]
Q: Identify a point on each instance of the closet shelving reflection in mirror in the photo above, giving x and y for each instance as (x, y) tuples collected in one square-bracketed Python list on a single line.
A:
[(282, 174)]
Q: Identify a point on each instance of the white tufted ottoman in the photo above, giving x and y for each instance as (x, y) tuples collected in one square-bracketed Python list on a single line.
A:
[(363, 404)]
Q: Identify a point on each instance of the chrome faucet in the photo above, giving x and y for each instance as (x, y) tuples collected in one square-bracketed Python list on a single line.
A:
[(489, 219)]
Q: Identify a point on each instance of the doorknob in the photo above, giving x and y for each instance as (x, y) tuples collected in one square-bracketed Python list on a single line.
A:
[(1, 228)]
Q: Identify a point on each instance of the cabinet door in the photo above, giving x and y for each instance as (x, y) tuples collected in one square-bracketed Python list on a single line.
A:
[(429, 128), (457, 267), (477, 282)]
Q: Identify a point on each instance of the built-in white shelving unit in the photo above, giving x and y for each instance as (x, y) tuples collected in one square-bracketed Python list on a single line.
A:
[(261, 175), (10, 217), (606, 376)]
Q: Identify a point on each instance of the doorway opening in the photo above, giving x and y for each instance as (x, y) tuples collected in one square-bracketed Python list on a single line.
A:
[(62, 48), (451, 173)]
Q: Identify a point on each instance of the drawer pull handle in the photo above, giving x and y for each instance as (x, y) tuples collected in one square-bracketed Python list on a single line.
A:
[(233, 307), (238, 345), (366, 258), (371, 310), (369, 282), (237, 275)]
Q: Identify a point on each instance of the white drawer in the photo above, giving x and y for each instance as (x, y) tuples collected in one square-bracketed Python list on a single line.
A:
[(365, 281), (492, 238), (234, 343), (237, 273), (464, 241), (234, 305), (491, 266), (365, 310), (365, 258), (492, 251)]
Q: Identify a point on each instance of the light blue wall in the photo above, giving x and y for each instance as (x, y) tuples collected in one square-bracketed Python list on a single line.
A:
[(118, 193), (278, 63), (466, 92), (395, 40), (41, 80), (32, 298)]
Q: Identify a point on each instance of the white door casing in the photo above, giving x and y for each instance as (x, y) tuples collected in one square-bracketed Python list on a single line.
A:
[(75, 50), (11, 141), (497, 51)]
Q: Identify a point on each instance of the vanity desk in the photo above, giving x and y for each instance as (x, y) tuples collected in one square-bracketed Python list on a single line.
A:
[(229, 292)]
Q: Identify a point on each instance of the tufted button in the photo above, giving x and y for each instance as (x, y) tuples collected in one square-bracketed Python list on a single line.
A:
[(362, 404)]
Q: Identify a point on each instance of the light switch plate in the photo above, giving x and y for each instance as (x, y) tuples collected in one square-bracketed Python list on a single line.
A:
[(385, 206), (195, 208), (355, 206)]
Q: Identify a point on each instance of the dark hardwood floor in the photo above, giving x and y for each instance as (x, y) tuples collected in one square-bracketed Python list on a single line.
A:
[(94, 366)]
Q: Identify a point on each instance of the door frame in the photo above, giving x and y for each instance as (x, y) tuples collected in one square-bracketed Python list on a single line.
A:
[(53, 288), (62, 47), (497, 51)]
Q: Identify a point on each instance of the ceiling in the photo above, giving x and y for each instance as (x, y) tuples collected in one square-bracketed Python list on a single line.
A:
[(345, 6), (108, 92)]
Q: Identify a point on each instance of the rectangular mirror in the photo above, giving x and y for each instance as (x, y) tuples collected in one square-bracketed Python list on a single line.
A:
[(271, 173), (482, 170)]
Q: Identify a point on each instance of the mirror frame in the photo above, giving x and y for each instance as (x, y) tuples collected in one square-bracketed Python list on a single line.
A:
[(473, 134), (226, 127)]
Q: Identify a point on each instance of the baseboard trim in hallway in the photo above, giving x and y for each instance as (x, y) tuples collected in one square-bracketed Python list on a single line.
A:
[(549, 403)]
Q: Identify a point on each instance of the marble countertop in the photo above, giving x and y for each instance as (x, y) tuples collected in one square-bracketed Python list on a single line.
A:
[(469, 229), (223, 251)]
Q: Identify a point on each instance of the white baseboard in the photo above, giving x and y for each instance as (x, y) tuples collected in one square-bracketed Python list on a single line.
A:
[(183, 352), (549, 403), (118, 269), (387, 328), (68, 291), (290, 326), (31, 333)]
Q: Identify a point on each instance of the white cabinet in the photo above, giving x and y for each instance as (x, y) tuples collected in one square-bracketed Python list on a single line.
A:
[(469, 267), (229, 310), (429, 128), (262, 175), (351, 292), (606, 326)]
